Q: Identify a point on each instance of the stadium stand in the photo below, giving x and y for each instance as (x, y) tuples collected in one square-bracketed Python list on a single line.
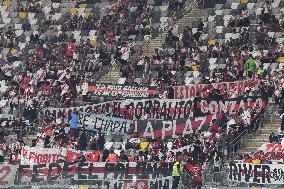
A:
[(180, 86)]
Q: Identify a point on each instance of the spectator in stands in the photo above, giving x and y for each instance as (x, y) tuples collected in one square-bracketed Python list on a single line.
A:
[(282, 121), (260, 72), (250, 66), (273, 138), (171, 157), (2, 149), (81, 158), (112, 157), (83, 141), (123, 157), (176, 173)]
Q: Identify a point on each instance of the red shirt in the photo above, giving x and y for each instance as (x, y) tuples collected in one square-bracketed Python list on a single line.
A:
[(214, 129), (112, 158), (93, 156), (38, 53), (178, 143), (71, 47), (191, 167), (249, 160)]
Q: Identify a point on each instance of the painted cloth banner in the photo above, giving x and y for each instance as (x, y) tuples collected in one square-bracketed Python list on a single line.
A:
[(124, 91), (231, 106), (7, 175), (129, 109), (157, 108), (108, 125), (271, 147), (96, 174), (270, 151), (189, 91), (173, 128), (38, 155), (183, 149), (259, 173)]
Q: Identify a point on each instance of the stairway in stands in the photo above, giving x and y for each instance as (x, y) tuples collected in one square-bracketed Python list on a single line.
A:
[(251, 144), (111, 77), (187, 20), (149, 49)]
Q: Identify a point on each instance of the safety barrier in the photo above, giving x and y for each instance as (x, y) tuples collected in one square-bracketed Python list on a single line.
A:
[(215, 179)]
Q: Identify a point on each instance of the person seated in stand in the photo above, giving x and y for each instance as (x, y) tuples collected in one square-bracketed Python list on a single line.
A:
[(273, 138), (112, 157), (81, 158), (123, 157)]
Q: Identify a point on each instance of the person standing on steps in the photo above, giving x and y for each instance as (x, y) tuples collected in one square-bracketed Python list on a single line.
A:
[(250, 66), (282, 121), (176, 172)]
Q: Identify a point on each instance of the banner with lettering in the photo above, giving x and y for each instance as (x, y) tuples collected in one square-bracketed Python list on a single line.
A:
[(231, 106), (173, 128), (123, 91), (40, 155), (105, 124), (237, 87), (129, 109), (270, 151), (258, 173), (7, 175), (149, 175)]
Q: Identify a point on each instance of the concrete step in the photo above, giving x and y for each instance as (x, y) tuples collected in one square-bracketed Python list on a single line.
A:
[(154, 45), (109, 77), (249, 148), (268, 130), (252, 144), (257, 140), (187, 19), (159, 41), (108, 81), (260, 136), (112, 75), (277, 125), (245, 153)]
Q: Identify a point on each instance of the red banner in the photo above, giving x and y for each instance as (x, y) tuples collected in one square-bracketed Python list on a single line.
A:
[(237, 87)]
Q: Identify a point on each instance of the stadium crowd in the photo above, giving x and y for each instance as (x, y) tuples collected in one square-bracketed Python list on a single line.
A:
[(47, 56)]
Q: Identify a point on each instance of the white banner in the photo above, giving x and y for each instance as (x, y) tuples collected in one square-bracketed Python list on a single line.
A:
[(38, 155), (259, 174)]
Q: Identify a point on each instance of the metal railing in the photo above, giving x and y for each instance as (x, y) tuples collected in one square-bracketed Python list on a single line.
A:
[(239, 139), (222, 175)]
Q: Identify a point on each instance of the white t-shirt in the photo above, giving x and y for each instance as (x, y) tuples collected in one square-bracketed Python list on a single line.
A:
[(63, 154), (246, 117), (124, 53), (2, 148)]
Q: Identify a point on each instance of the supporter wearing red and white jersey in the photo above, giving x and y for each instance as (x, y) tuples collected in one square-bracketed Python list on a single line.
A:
[(178, 143), (125, 53), (14, 149), (112, 157), (170, 157), (2, 150), (71, 47)]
